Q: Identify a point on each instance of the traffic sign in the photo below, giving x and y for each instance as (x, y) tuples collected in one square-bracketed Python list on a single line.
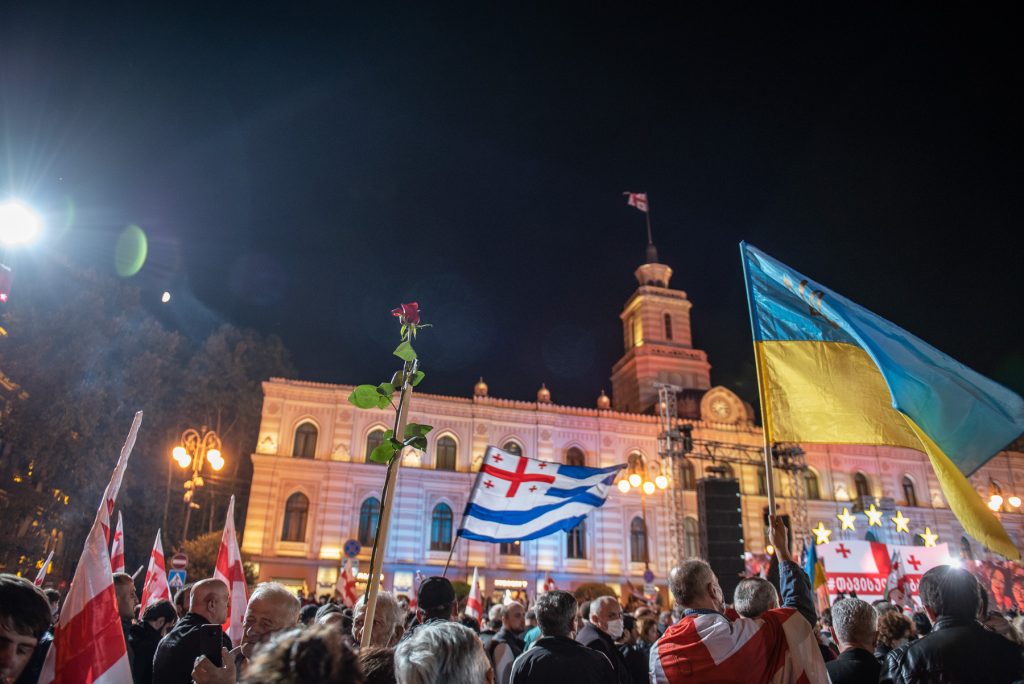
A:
[(176, 580), (648, 576), (352, 548), (179, 561)]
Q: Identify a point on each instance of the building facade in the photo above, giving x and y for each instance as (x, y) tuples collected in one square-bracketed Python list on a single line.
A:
[(314, 492)]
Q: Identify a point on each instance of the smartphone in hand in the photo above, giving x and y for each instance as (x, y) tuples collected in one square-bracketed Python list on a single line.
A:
[(210, 642)]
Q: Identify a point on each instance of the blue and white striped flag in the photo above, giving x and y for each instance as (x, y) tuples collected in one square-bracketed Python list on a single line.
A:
[(517, 498)]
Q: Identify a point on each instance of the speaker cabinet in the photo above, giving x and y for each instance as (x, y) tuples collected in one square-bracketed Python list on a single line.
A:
[(721, 530)]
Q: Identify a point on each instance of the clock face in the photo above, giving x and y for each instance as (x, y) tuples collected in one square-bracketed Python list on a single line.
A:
[(720, 407)]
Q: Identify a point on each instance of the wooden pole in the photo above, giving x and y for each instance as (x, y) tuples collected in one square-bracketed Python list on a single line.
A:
[(380, 539), (451, 552)]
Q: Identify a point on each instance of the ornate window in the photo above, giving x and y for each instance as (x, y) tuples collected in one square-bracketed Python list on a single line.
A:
[(445, 453), (638, 541), (513, 448), (909, 495), (576, 541), (574, 457), (860, 484), (691, 539), (668, 327), (638, 333), (811, 485), (296, 511), (305, 441), (441, 528), (688, 475), (369, 517), (509, 548), (373, 440)]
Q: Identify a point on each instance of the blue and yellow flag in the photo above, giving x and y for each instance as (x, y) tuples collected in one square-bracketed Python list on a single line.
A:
[(832, 372)]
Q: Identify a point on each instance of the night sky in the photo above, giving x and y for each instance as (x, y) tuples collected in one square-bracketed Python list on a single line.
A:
[(302, 171)]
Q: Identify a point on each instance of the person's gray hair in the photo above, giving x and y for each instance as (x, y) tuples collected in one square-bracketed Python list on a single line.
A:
[(753, 596), (854, 621), (507, 607), (280, 593), (556, 613), (387, 607), (689, 581), (441, 653), (596, 604), (495, 612)]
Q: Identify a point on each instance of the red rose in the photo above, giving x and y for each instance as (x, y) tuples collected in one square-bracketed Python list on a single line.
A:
[(409, 313)]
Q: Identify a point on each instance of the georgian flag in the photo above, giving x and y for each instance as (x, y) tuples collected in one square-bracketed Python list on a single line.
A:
[(41, 575), (345, 587), (637, 199), (229, 571), (155, 587), (549, 583), (517, 498), (117, 548), (474, 606), (864, 567)]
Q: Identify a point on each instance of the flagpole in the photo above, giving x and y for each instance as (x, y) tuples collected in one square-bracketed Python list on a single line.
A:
[(769, 475), (451, 552), (647, 214), (381, 537), (462, 521)]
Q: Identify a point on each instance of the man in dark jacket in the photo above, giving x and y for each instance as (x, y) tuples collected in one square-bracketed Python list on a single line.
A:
[(177, 652), (555, 657), (507, 644), (127, 601), (854, 624), (600, 633), (145, 635), (958, 649)]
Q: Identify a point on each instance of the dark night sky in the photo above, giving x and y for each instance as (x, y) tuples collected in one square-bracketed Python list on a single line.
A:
[(303, 171)]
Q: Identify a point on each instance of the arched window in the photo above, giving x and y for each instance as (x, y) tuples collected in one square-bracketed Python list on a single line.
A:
[(638, 541), (305, 441), (445, 453), (509, 548), (690, 538), (369, 516), (811, 485), (909, 495), (689, 475), (513, 448), (296, 510), (441, 528), (668, 327), (576, 541), (575, 457), (374, 440), (860, 484)]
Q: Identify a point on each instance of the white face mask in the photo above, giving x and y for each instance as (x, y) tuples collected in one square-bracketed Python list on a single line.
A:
[(615, 628)]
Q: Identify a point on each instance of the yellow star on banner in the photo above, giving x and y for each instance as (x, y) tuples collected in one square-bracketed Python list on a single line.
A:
[(901, 522), (928, 537), (822, 533), (874, 516), (847, 520)]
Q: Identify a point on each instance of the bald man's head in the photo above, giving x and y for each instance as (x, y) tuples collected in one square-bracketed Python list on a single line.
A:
[(210, 599)]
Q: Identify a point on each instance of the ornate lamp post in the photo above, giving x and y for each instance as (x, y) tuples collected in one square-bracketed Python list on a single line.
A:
[(638, 479), (196, 449)]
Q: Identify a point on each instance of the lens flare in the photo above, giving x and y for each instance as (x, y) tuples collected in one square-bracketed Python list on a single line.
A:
[(130, 251)]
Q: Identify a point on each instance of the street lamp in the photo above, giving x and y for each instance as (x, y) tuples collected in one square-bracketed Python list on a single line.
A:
[(637, 479), (197, 448)]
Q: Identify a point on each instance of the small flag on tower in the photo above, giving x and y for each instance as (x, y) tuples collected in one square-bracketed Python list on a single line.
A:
[(155, 588), (637, 199), (117, 548)]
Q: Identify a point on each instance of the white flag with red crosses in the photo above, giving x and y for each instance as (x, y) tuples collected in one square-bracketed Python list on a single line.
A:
[(863, 567)]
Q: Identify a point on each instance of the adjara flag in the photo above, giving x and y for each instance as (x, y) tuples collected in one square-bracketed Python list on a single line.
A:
[(155, 587), (229, 571), (637, 199), (88, 644), (117, 547), (474, 606)]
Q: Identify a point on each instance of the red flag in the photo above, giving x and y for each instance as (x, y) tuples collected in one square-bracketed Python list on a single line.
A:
[(88, 644), (474, 606), (637, 199), (345, 587), (41, 575), (549, 584), (229, 571), (155, 587), (117, 548)]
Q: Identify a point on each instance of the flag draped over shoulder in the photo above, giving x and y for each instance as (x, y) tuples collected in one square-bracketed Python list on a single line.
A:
[(833, 372), (88, 644), (517, 498), (229, 571)]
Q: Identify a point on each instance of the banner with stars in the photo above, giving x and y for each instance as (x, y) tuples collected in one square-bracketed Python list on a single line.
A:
[(517, 498), (863, 566)]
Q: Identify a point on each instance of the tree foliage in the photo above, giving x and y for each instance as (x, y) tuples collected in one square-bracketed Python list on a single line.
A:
[(87, 355), (202, 558)]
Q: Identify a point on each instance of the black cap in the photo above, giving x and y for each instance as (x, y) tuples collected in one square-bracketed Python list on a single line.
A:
[(435, 592)]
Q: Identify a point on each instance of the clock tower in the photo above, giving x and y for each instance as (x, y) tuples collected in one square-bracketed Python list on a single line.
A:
[(658, 344)]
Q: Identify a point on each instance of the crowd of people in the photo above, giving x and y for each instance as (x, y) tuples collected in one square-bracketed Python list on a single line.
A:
[(764, 635)]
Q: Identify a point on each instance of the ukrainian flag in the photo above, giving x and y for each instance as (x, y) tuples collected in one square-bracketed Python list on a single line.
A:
[(832, 372)]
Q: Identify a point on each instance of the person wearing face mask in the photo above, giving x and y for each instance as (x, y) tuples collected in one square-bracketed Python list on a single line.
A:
[(555, 657), (600, 633), (704, 646)]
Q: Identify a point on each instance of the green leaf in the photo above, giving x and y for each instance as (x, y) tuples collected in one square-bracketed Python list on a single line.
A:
[(383, 453), (383, 401), (417, 442), (386, 388), (417, 376), (364, 397), (388, 434), (405, 351), (417, 430)]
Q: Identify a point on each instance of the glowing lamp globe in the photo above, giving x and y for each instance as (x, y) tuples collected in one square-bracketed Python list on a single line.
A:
[(635, 480), (661, 481), (995, 502), (623, 486), (648, 487), (1014, 501), (215, 459), (181, 456)]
